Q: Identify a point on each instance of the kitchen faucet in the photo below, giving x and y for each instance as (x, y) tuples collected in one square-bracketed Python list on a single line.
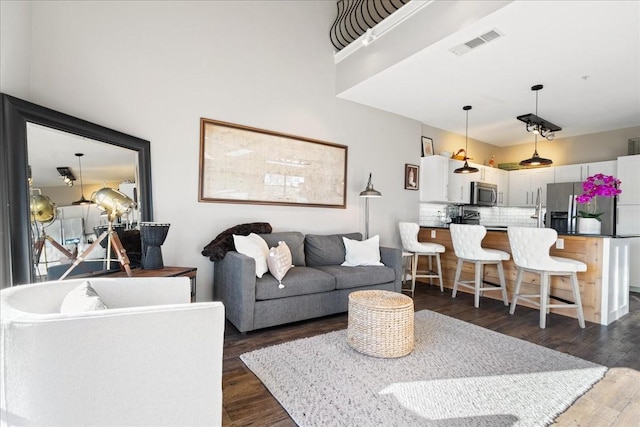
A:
[(538, 213)]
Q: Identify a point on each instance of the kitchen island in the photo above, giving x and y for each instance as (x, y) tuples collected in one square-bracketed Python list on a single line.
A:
[(604, 287)]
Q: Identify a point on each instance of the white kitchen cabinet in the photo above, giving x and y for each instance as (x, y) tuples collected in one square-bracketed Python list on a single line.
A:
[(434, 179), (628, 224), (523, 185), (488, 174), (581, 171), (502, 181), (498, 177), (628, 170), (459, 190)]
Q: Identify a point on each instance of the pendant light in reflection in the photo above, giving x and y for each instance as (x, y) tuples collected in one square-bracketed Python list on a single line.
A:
[(82, 200)]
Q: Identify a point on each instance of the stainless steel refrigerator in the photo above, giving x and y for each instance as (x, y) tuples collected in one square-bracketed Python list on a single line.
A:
[(562, 208)]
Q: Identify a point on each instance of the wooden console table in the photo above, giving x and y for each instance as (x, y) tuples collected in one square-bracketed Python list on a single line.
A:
[(189, 272)]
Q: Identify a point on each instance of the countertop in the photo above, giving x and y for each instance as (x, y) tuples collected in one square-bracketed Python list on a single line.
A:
[(503, 228)]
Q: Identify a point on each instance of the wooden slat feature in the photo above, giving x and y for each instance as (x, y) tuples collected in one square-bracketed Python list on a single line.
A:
[(581, 248)]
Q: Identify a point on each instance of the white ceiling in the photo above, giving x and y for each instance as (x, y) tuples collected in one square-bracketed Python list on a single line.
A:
[(585, 53), (50, 148)]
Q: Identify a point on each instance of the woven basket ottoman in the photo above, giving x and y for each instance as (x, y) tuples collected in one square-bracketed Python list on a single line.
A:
[(380, 323)]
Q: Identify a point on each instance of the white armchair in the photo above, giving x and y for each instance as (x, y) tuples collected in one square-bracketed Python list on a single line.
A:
[(152, 358)]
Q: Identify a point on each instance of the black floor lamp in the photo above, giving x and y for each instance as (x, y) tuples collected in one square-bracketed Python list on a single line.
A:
[(368, 193)]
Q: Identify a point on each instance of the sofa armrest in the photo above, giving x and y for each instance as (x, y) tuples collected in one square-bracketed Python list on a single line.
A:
[(234, 283), (392, 257)]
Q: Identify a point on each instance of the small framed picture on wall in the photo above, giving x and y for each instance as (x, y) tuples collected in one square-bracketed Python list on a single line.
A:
[(427, 146), (411, 177)]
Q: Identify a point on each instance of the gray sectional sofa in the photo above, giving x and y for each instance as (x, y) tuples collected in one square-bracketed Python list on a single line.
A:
[(316, 286)]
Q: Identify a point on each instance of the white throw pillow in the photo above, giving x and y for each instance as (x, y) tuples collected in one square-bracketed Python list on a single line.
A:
[(362, 253), (82, 298), (279, 262), (255, 247)]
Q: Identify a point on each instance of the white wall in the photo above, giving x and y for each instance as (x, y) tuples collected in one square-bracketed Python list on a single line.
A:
[(15, 47), (154, 69)]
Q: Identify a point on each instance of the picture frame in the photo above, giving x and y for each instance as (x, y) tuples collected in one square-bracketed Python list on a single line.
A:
[(411, 177), (427, 146), (241, 164)]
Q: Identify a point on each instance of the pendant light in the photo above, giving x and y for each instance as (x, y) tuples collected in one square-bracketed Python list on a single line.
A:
[(466, 168), (82, 200), (536, 124), (536, 160)]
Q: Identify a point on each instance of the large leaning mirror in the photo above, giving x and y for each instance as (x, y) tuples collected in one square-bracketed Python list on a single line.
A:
[(39, 146)]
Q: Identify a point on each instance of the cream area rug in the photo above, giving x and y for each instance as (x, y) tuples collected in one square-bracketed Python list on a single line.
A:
[(458, 374)]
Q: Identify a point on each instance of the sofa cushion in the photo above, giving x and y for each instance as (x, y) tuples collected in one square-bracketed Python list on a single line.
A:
[(362, 252), (279, 261), (82, 298), (255, 247), (326, 249), (298, 281), (293, 239), (353, 277)]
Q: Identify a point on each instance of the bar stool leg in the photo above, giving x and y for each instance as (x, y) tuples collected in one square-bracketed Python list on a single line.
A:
[(576, 297), (544, 298), (439, 271), (406, 268), (457, 279), (516, 291), (478, 280), (414, 269), (503, 284), (430, 269)]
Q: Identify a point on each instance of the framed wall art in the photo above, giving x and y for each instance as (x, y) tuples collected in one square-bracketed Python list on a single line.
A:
[(240, 164), (411, 177), (427, 146)]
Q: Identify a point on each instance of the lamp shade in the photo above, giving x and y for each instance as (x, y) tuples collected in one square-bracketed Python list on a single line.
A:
[(536, 160), (466, 169), (43, 209), (112, 202), (370, 191)]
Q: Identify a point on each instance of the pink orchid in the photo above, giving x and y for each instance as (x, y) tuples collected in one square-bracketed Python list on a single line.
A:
[(597, 185)]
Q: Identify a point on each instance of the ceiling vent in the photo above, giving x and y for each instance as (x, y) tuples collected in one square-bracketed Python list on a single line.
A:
[(476, 42)]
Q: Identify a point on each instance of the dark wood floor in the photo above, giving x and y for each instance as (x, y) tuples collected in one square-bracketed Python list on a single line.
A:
[(247, 402)]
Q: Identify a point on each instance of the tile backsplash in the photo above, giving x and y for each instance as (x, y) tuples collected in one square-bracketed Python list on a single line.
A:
[(433, 214)]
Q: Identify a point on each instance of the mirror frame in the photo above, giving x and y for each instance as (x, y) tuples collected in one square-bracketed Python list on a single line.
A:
[(15, 236)]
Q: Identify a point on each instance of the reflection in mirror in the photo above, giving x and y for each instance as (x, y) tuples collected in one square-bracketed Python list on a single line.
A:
[(20, 232), (65, 170)]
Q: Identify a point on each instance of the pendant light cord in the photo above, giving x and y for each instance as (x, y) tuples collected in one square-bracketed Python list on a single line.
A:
[(466, 137), (80, 165)]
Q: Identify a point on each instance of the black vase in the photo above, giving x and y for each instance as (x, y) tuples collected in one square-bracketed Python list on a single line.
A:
[(153, 235)]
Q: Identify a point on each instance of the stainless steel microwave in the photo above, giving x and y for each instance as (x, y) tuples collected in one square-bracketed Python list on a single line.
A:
[(484, 194)]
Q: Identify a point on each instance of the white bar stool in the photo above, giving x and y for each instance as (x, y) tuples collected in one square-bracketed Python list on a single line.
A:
[(530, 249), (409, 236), (467, 244)]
